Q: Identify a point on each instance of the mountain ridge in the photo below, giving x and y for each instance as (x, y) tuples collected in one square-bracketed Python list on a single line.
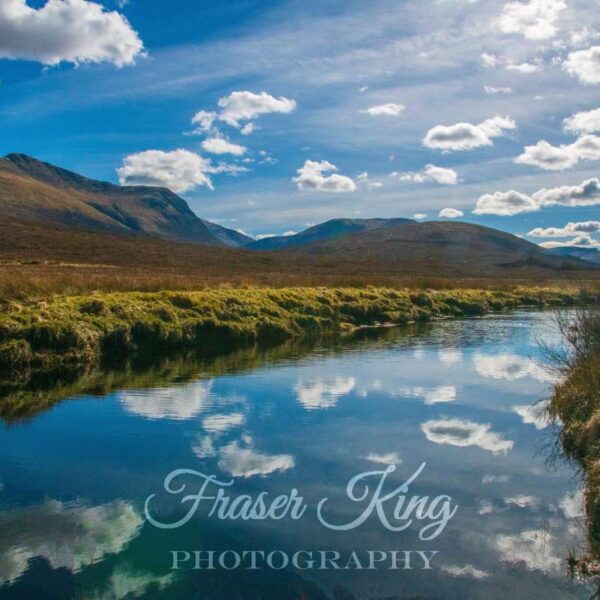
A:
[(34, 190)]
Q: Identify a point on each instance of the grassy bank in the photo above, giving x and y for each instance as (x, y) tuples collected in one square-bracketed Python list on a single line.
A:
[(89, 328), (575, 404)]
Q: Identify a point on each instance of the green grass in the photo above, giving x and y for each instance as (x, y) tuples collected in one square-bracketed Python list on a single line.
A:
[(89, 328)]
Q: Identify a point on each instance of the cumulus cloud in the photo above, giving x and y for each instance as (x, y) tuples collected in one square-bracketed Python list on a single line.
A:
[(510, 367), (581, 241), (126, 583), (584, 64), (533, 548), (203, 120), (432, 395), (177, 403), (583, 122), (466, 136), (585, 194), (323, 393), (462, 433), (219, 145), (558, 158), (75, 31), (512, 202), (369, 183), (522, 501), (419, 216), (572, 505), (536, 19), (248, 462), (429, 173), (505, 204), (450, 213), (311, 176), (246, 106), (385, 110), (569, 229), (179, 170), (68, 536)]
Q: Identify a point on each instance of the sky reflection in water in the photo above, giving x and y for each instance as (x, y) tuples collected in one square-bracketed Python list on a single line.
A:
[(457, 395)]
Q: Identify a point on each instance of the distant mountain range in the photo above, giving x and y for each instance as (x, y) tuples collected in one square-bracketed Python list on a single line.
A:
[(325, 231), (39, 194), (588, 254), (36, 191)]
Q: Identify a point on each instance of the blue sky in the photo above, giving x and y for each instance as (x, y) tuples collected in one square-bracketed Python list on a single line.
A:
[(420, 106)]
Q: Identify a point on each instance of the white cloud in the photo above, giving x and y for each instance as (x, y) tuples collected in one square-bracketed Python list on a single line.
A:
[(68, 536), (566, 231), (429, 173), (323, 393), (536, 19), (583, 122), (532, 548), (558, 158), (533, 415), (522, 501), (75, 31), (433, 395), (311, 177), (572, 505), (491, 61), (581, 241), (369, 183), (419, 216), (510, 367), (385, 110), (525, 68), (492, 90), (176, 403), (179, 170), (505, 204), (248, 462), (219, 145), (125, 583), (462, 433), (222, 423), (204, 120), (585, 194), (512, 202), (450, 213), (585, 65), (466, 571), (466, 136), (450, 356), (246, 106), (390, 458)]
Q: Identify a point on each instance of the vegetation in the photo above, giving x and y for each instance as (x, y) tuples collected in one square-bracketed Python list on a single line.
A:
[(85, 329), (575, 404)]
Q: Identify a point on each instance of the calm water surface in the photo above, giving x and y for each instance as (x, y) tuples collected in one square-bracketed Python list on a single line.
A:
[(457, 395)]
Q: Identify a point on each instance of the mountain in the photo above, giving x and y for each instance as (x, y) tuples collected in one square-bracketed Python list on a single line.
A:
[(588, 254), (33, 190), (445, 249), (330, 229)]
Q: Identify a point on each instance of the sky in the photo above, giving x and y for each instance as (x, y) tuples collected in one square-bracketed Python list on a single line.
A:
[(269, 117)]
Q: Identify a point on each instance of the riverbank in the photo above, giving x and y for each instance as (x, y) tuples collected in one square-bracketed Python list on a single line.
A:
[(87, 329), (575, 406)]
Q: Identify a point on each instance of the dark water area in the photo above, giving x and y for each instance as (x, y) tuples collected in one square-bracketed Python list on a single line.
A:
[(453, 400)]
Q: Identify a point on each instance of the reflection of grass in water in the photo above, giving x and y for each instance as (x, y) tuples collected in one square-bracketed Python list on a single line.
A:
[(84, 329), (28, 393), (575, 403)]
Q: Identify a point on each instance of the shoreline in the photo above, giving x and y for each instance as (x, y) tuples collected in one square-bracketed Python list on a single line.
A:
[(87, 329)]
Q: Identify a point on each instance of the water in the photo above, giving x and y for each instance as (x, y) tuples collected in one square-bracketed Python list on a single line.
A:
[(457, 395)]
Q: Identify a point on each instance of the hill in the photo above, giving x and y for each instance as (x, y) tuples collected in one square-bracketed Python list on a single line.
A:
[(31, 190), (325, 231), (445, 249), (588, 254)]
